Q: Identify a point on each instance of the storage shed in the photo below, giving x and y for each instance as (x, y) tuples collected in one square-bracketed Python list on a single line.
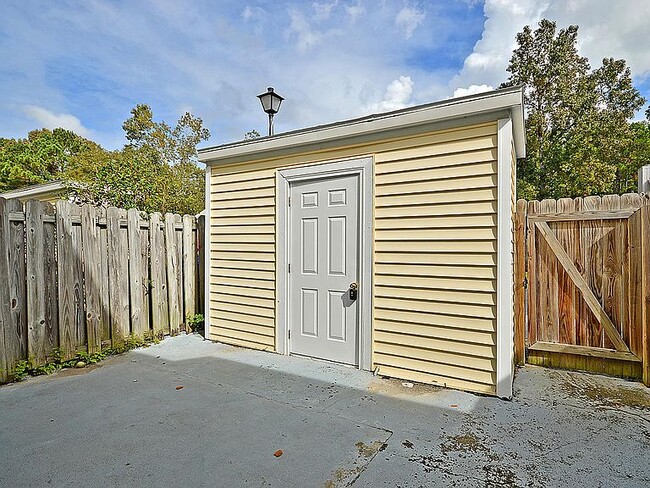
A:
[(384, 242)]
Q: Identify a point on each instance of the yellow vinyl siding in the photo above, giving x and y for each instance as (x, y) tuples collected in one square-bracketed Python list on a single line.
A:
[(435, 232), (435, 291)]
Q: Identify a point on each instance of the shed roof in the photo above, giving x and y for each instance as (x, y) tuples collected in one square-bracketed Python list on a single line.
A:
[(493, 105)]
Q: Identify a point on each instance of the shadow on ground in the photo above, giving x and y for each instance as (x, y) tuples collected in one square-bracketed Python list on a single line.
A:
[(127, 423)]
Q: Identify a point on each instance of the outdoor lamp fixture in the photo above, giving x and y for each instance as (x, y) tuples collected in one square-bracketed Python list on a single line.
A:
[(270, 104)]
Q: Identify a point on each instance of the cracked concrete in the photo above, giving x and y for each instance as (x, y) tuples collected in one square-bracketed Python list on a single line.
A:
[(125, 424)]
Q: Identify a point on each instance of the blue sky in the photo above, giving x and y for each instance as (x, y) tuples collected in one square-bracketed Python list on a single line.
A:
[(83, 65)]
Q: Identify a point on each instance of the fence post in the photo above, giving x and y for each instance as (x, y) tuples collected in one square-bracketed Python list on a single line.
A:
[(520, 278), (159, 306), (644, 179), (645, 289)]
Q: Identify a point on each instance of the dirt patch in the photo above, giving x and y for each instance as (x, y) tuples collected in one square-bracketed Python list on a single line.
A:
[(463, 443), (596, 390), (345, 476), (367, 451), (393, 387)]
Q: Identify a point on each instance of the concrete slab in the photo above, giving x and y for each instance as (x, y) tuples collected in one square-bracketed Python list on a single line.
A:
[(126, 424)]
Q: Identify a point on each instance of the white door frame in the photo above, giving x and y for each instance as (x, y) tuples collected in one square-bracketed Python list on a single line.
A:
[(361, 166)]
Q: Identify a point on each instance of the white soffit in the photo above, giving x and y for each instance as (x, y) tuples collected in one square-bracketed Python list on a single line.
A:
[(468, 110)]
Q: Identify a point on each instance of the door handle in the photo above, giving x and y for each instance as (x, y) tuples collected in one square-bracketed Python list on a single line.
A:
[(353, 291)]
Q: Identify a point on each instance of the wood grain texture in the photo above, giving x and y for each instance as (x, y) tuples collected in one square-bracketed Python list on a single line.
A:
[(104, 283), (174, 275), (592, 258), (519, 281), (70, 284), (645, 289), (189, 266), (42, 333), (5, 313), (139, 324), (92, 277), (611, 286), (118, 274), (587, 294), (159, 300), (15, 332)]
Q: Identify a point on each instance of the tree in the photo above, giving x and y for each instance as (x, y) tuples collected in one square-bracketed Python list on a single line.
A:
[(251, 134), (40, 157), (156, 171), (577, 129)]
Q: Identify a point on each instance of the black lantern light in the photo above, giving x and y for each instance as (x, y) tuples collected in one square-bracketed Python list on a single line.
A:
[(271, 105)]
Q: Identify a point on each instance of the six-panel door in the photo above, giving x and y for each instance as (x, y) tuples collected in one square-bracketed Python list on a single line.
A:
[(324, 218)]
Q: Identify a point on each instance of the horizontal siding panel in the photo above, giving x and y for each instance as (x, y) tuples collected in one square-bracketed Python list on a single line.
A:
[(407, 374), (430, 294), (244, 220), (467, 183), (258, 302), (455, 138), (236, 307), (433, 354), (247, 256), (477, 234), (218, 189), (455, 221), (425, 198), (242, 212), (243, 282), (242, 203), (466, 208), (463, 259), (242, 339), (452, 348), (438, 271), (442, 167), (437, 332), (249, 238), (241, 317), (474, 246), (243, 229), (219, 325), (255, 193), (259, 247), (243, 291), (435, 282), (431, 367), (225, 174), (456, 309), (243, 273), (428, 318), (255, 265)]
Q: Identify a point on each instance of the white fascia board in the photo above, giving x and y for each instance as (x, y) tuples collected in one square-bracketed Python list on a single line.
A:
[(33, 191), (469, 110)]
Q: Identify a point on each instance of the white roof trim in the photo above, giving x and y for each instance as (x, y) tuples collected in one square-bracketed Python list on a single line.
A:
[(490, 105), (34, 190)]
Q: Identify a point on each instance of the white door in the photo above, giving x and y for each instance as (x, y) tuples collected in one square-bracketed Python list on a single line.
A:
[(323, 313)]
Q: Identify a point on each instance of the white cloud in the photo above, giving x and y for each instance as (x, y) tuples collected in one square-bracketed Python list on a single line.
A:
[(355, 11), (324, 10), (306, 37), (397, 96), (408, 19), (50, 120), (471, 90), (622, 35)]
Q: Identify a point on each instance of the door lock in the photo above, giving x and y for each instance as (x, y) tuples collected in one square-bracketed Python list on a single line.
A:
[(353, 291)]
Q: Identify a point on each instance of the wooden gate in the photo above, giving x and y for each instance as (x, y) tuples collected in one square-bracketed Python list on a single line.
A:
[(583, 284)]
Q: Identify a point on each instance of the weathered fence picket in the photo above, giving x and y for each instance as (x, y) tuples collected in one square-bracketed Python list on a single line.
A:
[(587, 262), (81, 278)]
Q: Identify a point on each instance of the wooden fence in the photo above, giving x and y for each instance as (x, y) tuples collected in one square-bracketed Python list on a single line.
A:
[(81, 278), (582, 275)]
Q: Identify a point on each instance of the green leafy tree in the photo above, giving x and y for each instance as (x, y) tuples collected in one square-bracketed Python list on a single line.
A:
[(42, 156), (156, 171), (577, 126)]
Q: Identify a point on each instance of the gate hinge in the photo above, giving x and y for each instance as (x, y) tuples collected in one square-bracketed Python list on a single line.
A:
[(289, 268), (289, 331), (289, 201)]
